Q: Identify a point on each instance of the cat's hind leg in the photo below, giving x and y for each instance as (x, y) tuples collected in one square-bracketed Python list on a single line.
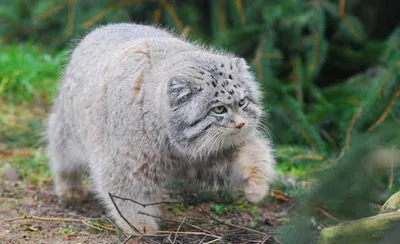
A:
[(66, 161)]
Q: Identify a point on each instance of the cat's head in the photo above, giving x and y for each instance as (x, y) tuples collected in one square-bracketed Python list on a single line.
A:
[(214, 103)]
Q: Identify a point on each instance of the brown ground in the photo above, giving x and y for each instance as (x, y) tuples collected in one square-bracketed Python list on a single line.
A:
[(54, 222)]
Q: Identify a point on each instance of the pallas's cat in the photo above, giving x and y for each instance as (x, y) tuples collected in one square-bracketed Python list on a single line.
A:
[(139, 106)]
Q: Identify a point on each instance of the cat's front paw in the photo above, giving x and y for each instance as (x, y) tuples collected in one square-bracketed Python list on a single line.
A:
[(255, 189)]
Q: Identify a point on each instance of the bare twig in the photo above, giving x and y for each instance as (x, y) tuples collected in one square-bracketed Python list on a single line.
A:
[(204, 232), (174, 221), (127, 239), (258, 59), (91, 225), (328, 215), (171, 11), (56, 219), (230, 225), (240, 10), (143, 204), (385, 112), (342, 5), (176, 233), (101, 226), (122, 216), (85, 221), (212, 241), (351, 125), (391, 177), (264, 239), (191, 233), (112, 223)]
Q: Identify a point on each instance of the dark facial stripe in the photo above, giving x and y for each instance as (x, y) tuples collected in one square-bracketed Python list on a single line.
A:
[(218, 118), (197, 121), (207, 127), (252, 113)]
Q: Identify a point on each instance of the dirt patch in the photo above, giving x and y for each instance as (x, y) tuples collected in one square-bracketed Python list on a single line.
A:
[(19, 200), (48, 221)]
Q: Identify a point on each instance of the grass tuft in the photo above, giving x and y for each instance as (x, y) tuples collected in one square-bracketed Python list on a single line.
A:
[(28, 73)]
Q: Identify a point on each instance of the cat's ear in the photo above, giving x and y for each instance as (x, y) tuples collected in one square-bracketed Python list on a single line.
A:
[(241, 64), (179, 90)]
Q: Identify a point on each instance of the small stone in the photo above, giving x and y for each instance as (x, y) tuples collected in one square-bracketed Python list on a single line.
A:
[(11, 175)]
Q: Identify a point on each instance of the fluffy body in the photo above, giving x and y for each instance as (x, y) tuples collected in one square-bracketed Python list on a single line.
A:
[(139, 107)]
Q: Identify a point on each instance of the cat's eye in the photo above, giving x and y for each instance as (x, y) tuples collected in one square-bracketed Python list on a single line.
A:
[(243, 102), (219, 109)]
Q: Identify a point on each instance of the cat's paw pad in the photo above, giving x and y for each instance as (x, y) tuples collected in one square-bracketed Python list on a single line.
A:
[(73, 196), (255, 190)]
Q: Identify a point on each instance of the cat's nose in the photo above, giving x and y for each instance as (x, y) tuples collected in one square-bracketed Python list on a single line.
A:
[(240, 125)]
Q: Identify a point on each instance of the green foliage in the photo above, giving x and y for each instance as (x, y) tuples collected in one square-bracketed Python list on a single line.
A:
[(28, 73), (351, 189), (67, 231), (295, 47), (31, 169), (221, 209)]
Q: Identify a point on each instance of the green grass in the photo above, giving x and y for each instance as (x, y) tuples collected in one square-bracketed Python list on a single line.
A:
[(28, 73)]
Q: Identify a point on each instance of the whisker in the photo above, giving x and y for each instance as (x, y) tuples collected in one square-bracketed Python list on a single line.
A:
[(264, 128), (214, 143), (204, 143), (216, 137)]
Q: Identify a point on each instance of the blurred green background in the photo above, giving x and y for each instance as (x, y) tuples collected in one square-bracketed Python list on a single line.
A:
[(329, 68)]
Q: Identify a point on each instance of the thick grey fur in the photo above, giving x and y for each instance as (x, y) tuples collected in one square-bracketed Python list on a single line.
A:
[(135, 109)]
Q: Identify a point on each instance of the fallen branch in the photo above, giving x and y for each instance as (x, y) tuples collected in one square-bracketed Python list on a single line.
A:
[(101, 226), (191, 233), (56, 219), (328, 215), (179, 227), (84, 221), (231, 225), (142, 204), (366, 230), (122, 216), (204, 232), (175, 221)]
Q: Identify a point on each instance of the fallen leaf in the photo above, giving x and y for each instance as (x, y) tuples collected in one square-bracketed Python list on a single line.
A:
[(68, 237), (280, 195), (14, 153), (31, 228)]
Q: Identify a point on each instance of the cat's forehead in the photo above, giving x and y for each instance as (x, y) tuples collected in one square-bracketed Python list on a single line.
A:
[(221, 79)]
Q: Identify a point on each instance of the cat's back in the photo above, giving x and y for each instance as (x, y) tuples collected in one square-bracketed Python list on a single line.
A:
[(104, 40)]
